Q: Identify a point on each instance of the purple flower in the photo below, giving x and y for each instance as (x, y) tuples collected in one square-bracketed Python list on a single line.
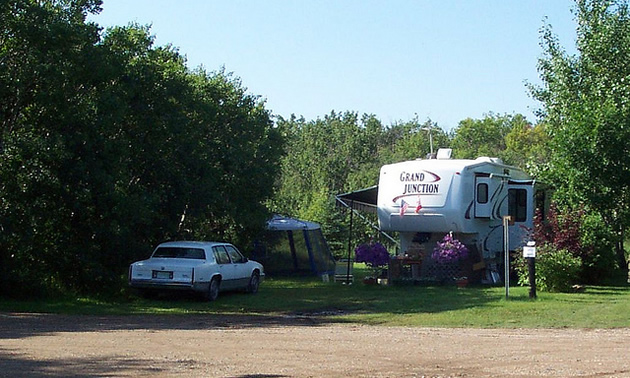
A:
[(373, 254), (449, 250)]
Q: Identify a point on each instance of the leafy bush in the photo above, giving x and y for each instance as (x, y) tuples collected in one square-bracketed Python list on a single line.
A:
[(599, 262), (556, 269), (585, 235)]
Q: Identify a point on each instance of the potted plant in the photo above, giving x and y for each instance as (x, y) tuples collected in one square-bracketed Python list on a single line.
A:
[(375, 256), (449, 251)]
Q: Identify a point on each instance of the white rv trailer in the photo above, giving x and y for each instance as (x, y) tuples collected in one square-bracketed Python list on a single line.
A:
[(425, 199)]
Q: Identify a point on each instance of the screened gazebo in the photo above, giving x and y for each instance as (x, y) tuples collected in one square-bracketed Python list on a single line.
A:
[(294, 246)]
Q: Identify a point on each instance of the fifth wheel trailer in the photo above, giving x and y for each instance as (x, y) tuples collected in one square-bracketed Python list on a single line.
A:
[(425, 199)]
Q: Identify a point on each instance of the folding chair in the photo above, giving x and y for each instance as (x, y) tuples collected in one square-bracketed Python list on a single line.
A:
[(343, 271)]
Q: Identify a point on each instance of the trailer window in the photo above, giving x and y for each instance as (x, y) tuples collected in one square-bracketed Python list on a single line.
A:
[(517, 204), (482, 193)]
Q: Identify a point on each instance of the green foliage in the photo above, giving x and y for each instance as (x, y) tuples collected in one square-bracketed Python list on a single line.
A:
[(483, 137), (322, 158), (411, 140), (110, 145), (584, 234), (587, 112), (556, 269), (526, 147), (599, 265)]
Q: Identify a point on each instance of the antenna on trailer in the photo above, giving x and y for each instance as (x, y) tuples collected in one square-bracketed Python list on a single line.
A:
[(430, 137)]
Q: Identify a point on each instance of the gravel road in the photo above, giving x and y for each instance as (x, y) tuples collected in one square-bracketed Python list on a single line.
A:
[(296, 346)]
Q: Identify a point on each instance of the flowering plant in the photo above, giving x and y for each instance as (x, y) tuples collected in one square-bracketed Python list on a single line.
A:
[(374, 255), (449, 250)]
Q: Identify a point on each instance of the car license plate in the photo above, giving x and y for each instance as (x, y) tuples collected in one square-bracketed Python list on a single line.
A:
[(162, 275)]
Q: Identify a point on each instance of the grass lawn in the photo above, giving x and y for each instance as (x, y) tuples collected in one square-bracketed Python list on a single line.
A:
[(597, 307)]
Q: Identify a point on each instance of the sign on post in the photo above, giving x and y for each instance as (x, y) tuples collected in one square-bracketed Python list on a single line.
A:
[(529, 252), (530, 249)]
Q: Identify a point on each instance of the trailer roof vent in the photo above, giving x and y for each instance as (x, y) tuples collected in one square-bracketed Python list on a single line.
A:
[(490, 159), (444, 153)]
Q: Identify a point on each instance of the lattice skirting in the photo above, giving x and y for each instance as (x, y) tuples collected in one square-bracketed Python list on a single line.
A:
[(432, 271)]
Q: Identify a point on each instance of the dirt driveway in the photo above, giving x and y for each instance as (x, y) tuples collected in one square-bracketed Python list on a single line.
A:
[(301, 346)]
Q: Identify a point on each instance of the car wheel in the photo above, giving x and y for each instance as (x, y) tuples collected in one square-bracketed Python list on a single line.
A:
[(213, 289), (254, 282)]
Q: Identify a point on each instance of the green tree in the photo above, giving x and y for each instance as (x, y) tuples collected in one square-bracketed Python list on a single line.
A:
[(326, 157), (587, 112), (110, 146), (47, 55), (484, 137), (411, 140), (527, 148)]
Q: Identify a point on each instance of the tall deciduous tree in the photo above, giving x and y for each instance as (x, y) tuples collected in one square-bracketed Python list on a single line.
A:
[(325, 157), (526, 147), (586, 106), (110, 145), (412, 140), (483, 137), (47, 85)]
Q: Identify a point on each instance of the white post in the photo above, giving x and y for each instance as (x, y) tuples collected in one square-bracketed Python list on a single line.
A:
[(430, 137), (506, 253)]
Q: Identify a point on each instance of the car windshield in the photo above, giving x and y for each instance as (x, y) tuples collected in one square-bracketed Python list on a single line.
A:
[(179, 253)]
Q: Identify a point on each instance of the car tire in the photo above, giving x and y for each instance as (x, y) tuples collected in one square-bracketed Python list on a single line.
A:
[(254, 283), (213, 289)]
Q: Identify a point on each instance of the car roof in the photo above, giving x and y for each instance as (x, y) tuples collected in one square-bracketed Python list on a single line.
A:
[(191, 244)]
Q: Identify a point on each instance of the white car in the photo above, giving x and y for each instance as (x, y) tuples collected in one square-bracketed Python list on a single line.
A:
[(205, 267)]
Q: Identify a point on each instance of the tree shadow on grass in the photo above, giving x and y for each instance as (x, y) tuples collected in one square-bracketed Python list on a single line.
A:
[(606, 290), (397, 299), (274, 306)]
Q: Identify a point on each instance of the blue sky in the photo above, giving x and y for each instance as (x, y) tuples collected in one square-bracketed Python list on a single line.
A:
[(444, 60)]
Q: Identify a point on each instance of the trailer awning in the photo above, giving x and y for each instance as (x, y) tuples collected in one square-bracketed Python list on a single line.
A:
[(362, 199)]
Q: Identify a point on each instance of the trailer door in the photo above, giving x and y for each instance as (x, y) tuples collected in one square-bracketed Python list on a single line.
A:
[(521, 208), (485, 189), (487, 193)]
